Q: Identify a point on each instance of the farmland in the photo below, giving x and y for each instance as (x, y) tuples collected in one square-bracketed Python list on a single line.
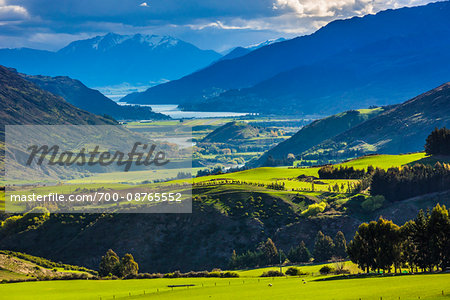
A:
[(248, 286)]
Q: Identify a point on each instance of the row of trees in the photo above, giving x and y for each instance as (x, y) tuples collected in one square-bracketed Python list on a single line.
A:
[(267, 253), (396, 184), (343, 172), (438, 142), (112, 265), (423, 243)]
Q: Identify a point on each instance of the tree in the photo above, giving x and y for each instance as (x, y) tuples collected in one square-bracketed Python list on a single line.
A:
[(323, 247), (439, 235), (421, 243), (438, 142), (421, 240), (299, 254), (360, 249), (340, 245), (409, 248), (109, 263), (387, 245), (233, 264), (128, 266), (269, 252), (376, 245)]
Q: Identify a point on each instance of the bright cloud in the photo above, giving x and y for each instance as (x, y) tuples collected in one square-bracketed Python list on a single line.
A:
[(207, 23), (12, 12)]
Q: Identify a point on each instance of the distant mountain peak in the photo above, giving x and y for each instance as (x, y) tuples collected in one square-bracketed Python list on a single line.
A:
[(107, 42), (265, 43), (114, 59)]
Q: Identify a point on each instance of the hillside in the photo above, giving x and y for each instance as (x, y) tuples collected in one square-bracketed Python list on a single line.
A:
[(79, 95), (399, 130), (22, 102), (376, 59), (19, 266), (231, 131), (225, 217), (315, 133), (114, 59), (241, 51)]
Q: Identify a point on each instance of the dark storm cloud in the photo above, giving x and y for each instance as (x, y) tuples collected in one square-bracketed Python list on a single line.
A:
[(50, 24)]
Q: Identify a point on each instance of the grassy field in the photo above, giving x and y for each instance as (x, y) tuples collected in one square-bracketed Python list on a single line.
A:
[(385, 161), (267, 175), (388, 287)]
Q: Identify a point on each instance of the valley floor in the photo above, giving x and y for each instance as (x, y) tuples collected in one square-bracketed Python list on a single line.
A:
[(433, 286)]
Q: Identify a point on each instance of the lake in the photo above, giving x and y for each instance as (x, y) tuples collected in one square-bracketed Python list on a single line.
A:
[(174, 112)]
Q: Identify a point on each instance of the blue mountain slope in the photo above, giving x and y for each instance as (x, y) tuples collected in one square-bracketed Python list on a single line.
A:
[(334, 43), (114, 59)]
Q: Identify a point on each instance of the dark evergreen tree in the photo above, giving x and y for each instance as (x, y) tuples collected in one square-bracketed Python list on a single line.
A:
[(299, 254), (323, 247), (360, 249), (340, 245), (438, 142), (269, 253), (439, 236)]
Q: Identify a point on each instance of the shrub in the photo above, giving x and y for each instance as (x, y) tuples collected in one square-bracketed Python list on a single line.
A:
[(326, 270), (373, 203), (314, 209), (272, 273), (229, 274), (293, 271), (214, 274)]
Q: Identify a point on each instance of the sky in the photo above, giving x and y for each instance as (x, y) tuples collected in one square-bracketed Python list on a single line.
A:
[(208, 24)]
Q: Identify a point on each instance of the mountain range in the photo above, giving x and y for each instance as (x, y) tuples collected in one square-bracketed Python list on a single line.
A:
[(79, 95), (241, 51), (24, 103), (372, 60), (114, 59), (389, 130), (314, 134), (399, 130)]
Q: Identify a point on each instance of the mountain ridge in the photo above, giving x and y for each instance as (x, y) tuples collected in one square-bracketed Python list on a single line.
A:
[(396, 129), (399, 130), (79, 95), (203, 89), (113, 59)]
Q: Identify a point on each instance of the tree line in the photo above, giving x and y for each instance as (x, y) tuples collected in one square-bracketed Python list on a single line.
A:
[(325, 248), (438, 142), (342, 172), (422, 243), (396, 184)]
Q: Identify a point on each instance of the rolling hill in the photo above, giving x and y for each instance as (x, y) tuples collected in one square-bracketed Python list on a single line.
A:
[(79, 95), (114, 59), (315, 133), (22, 102), (399, 130), (376, 59), (231, 131)]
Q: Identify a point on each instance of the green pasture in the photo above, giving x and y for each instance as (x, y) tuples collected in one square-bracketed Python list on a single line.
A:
[(133, 176), (265, 175), (384, 161), (288, 176), (387, 287)]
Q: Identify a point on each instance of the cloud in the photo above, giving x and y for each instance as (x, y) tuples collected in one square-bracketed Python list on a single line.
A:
[(12, 12), (339, 8), (207, 23)]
